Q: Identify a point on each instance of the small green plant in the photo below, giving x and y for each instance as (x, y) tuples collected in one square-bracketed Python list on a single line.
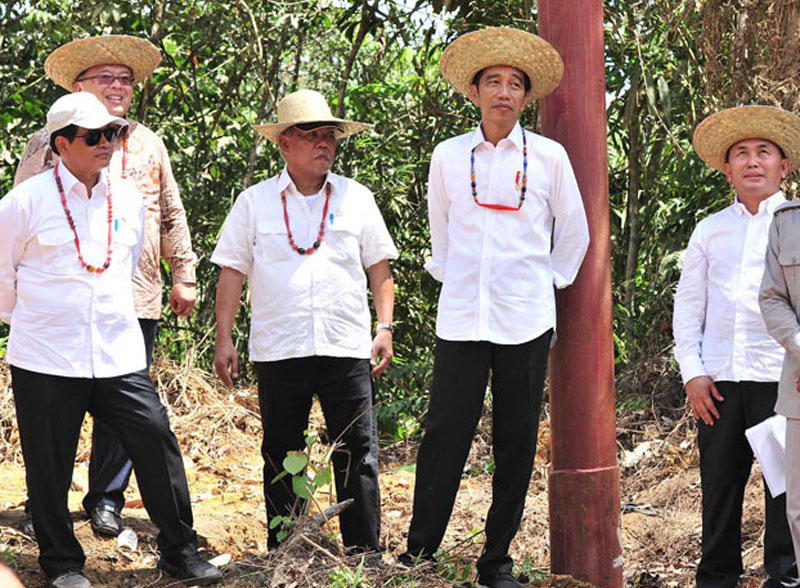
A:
[(455, 568), (9, 557), (307, 477), (526, 571), (343, 577)]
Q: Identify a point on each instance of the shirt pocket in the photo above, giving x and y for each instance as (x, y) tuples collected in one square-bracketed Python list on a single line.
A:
[(790, 264), (272, 242), (58, 249), (344, 241)]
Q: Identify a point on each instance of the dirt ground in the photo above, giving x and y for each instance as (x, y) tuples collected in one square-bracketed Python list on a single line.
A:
[(219, 432)]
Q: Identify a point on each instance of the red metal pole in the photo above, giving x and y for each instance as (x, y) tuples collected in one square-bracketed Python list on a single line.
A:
[(584, 477)]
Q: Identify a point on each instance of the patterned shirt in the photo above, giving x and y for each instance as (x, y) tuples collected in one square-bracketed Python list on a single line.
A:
[(166, 230)]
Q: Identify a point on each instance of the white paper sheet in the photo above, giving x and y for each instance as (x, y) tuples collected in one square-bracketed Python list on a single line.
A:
[(768, 440)]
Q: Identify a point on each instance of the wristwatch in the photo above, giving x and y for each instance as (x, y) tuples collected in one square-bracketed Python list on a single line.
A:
[(388, 326)]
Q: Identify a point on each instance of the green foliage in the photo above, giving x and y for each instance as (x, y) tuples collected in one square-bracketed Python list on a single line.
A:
[(307, 475), (344, 577), (225, 65), (9, 556)]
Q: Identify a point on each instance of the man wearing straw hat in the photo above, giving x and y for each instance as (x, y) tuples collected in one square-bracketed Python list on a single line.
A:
[(109, 67), (779, 299), (729, 364), (507, 227), (303, 239), (71, 240)]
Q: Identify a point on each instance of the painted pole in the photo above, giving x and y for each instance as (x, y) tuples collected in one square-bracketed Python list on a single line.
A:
[(584, 476)]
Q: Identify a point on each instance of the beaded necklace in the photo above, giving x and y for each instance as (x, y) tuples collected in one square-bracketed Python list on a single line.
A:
[(318, 242), (89, 268), (522, 190)]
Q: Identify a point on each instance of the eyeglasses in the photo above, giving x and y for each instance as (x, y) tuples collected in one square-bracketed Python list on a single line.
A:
[(92, 138), (106, 79)]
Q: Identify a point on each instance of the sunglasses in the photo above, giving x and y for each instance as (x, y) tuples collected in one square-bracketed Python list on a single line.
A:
[(92, 138), (106, 79)]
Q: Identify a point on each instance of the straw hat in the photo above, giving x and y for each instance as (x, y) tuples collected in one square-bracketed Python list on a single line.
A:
[(715, 134), (478, 50), (306, 106), (67, 62)]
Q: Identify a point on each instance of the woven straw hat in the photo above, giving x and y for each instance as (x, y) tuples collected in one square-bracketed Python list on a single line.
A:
[(471, 53), (67, 62), (715, 134), (306, 106)]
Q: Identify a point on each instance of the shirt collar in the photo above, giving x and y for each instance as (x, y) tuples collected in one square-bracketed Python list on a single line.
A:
[(768, 205), (515, 136), (285, 182), (69, 181)]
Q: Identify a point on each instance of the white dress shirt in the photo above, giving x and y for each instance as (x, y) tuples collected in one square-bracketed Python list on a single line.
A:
[(499, 268), (306, 305), (717, 322), (64, 320)]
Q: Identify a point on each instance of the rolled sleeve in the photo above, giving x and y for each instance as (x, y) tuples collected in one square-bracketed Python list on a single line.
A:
[(774, 297), (235, 246), (688, 319), (570, 230)]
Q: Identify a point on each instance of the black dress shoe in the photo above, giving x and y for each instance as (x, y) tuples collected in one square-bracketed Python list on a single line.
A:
[(192, 568), (501, 580), (26, 526), (410, 561), (106, 521), (69, 580)]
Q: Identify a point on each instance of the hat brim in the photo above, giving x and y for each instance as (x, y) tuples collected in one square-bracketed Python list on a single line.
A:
[(67, 62), (273, 131), (717, 133), (472, 52)]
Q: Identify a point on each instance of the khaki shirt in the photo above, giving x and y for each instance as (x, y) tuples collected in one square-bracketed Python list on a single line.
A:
[(779, 299), (166, 230)]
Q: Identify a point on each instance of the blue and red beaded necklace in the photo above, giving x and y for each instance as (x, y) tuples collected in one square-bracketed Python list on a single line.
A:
[(523, 189)]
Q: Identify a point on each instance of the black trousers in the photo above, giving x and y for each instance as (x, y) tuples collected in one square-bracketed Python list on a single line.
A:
[(460, 374), (50, 410), (344, 389), (109, 466), (725, 461)]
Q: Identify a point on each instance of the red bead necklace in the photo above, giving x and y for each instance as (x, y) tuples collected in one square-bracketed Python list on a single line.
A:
[(318, 242), (89, 268)]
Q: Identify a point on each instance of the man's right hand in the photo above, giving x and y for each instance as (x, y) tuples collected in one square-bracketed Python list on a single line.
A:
[(226, 362), (702, 393)]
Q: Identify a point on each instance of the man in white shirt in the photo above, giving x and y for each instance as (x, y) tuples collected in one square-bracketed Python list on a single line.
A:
[(109, 66), (507, 225), (303, 239), (729, 363), (71, 240)]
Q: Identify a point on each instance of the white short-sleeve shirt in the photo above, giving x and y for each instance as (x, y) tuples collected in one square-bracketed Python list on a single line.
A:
[(305, 305), (64, 320)]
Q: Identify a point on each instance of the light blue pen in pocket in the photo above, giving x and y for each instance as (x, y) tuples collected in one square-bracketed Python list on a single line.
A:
[(116, 225), (331, 218)]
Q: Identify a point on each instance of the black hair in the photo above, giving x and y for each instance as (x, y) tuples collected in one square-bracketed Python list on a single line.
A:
[(68, 131), (728, 152), (477, 78)]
